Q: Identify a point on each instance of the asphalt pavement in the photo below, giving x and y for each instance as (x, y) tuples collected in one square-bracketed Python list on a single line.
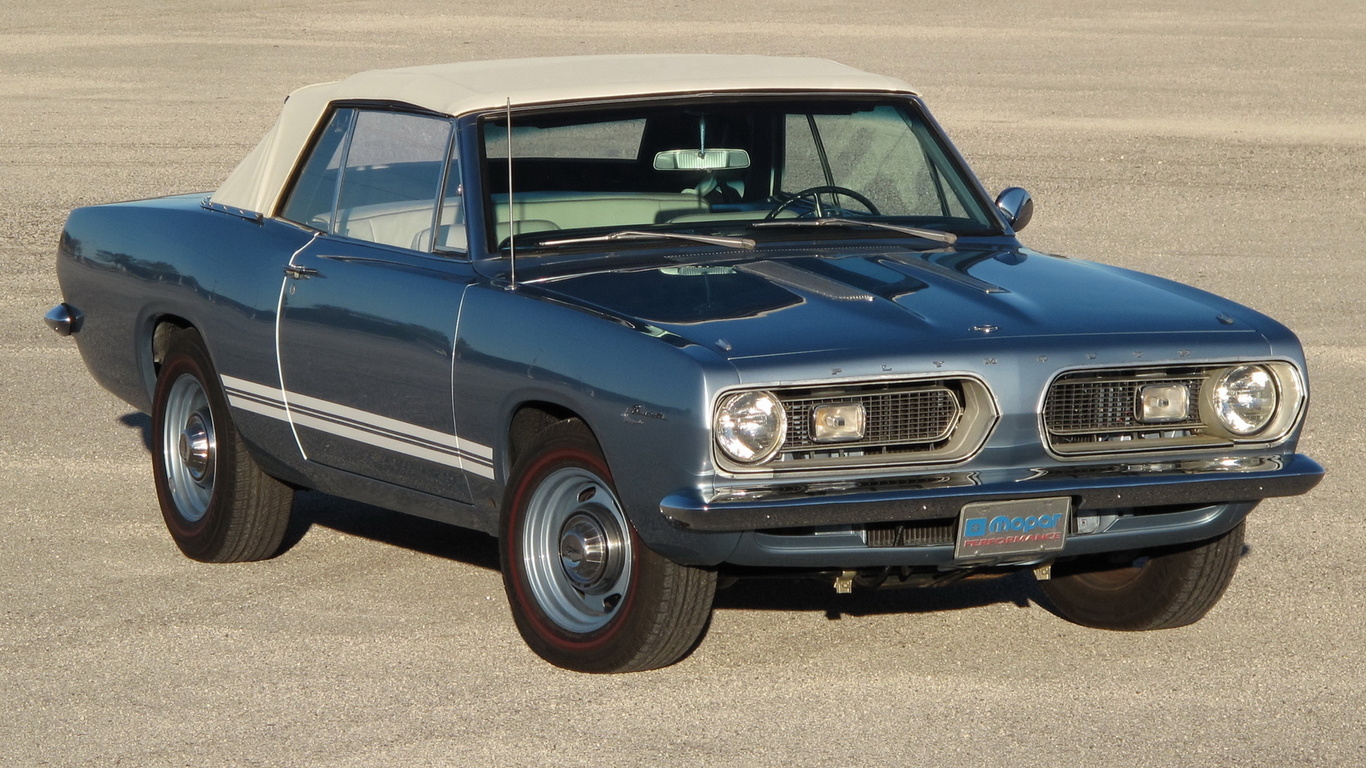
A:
[(1219, 143)]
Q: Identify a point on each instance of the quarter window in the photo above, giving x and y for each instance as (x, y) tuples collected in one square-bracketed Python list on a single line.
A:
[(315, 190)]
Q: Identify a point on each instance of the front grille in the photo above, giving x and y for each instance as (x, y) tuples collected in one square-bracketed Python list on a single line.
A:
[(926, 421), (918, 416), (1082, 407), (1097, 412)]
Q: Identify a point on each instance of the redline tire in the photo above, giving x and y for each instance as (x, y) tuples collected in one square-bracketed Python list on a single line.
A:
[(585, 592), (219, 506), (1162, 589)]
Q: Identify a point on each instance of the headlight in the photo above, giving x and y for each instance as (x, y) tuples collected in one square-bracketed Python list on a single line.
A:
[(750, 426), (1245, 399)]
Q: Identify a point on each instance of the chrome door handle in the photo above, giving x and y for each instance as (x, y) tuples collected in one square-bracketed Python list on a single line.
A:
[(300, 273)]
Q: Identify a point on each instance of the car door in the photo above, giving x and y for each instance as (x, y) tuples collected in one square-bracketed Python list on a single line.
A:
[(368, 308)]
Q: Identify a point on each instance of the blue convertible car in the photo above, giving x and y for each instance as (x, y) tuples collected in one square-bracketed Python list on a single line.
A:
[(658, 320)]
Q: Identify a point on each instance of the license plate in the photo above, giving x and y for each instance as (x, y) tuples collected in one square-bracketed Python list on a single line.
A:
[(1022, 527)]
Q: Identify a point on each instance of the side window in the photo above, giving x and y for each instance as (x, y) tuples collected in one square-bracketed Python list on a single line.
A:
[(310, 203), (379, 176), (392, 179)]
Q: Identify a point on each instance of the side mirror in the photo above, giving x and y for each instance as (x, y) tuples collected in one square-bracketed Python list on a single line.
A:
[(1016, 205)]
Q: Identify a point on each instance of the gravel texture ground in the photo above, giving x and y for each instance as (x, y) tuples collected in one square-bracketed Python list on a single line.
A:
[(1219, 143)]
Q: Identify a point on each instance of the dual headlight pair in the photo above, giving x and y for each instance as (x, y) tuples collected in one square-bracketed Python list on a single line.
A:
[(1244, 402)]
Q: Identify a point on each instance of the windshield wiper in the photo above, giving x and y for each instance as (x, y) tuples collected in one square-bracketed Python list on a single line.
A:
[(743, 243), (928, 234)]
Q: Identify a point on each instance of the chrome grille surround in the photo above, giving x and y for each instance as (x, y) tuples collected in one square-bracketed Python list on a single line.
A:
[(1094, 412), (941, 420)]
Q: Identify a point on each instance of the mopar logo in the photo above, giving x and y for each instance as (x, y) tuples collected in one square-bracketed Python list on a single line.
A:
[(981, 526)]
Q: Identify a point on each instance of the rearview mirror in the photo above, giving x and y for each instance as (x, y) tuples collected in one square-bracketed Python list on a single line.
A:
[(701, 160)]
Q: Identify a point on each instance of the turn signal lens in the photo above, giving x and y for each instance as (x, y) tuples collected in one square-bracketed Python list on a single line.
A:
[(837, 423), (1163, 403)]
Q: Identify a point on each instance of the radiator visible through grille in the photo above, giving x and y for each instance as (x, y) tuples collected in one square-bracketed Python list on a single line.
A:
[(918, 533)]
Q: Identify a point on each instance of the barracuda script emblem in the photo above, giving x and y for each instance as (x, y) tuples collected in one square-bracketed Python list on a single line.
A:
[(636, 414)]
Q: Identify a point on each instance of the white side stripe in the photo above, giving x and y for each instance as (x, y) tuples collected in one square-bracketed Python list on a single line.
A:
[(265, 408), (361, 426), (304, 402), (379, 441), (251, 387)]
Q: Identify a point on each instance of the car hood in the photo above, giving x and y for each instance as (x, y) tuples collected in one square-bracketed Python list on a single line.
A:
[(892, 301)]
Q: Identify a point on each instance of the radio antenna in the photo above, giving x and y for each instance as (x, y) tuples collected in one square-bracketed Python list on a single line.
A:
[(512, 210)]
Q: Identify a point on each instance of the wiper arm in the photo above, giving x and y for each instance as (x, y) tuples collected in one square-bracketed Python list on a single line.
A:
[(743, 243), (928, 234)]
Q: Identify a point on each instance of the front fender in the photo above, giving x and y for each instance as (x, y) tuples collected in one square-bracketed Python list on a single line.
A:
[(645, 399)]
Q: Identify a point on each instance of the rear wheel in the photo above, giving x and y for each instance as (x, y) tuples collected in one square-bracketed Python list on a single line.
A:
[(1141, 591), (585, 593), (217, 503)]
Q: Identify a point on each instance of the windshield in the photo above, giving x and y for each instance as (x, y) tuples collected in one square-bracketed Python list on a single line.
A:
[(732, 167)]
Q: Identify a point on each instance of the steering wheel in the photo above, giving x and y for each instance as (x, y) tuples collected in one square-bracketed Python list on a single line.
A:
[(815, 192)]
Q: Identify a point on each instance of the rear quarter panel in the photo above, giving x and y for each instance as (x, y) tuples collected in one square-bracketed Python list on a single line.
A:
[(127, 266)]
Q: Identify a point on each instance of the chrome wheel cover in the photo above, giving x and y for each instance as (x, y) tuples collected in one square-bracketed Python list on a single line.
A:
[(576, 550), (189, 448)]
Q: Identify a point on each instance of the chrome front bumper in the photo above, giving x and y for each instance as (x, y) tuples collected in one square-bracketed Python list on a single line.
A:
[(1190, 482)]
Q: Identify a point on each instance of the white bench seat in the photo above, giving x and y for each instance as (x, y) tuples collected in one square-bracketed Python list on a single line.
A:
[(572, 210)]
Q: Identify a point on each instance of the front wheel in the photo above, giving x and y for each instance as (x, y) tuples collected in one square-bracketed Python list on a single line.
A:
[(1141, 591), (585, 593), (218, 504)]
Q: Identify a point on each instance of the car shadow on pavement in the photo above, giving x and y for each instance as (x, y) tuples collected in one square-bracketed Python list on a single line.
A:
[(430, 537), (419, 534), (142, 423), (375, 523), (312, 508), (771, 594)]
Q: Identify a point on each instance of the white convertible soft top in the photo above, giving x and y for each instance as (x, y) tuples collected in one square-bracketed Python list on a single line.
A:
[(457, 89)]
